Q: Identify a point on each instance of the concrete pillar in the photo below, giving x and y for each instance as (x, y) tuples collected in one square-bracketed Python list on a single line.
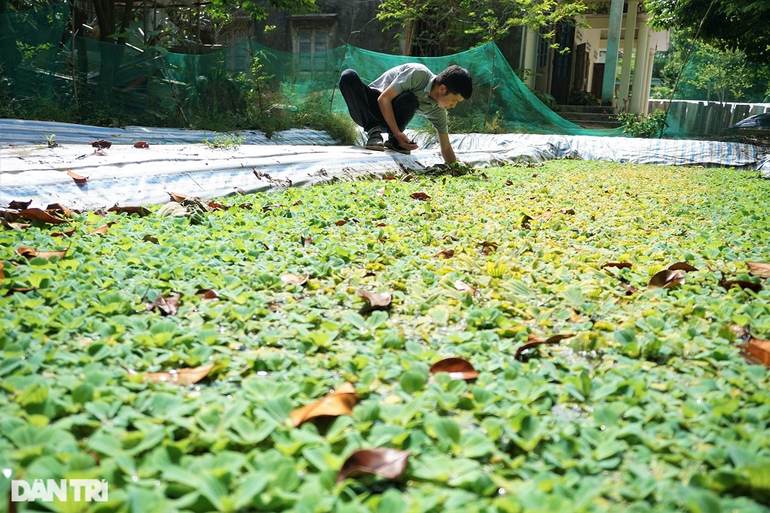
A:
[(628, 50), (611, 58), (640, 68), (647, 82), (530, 56)]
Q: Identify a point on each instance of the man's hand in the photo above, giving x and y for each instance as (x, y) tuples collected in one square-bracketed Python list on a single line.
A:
[(404, 141)]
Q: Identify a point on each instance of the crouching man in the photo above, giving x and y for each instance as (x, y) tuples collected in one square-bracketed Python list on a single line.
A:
[(389, 103)]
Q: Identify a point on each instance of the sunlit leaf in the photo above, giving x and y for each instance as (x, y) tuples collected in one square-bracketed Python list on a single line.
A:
[(185, 376), (166, 305), (175, 196), (388, 463), (381, 300), (79, 179), (293, 279), (759, 269), (461, 286), (339, 402), (760, 350), (29, 253), (458, 368)]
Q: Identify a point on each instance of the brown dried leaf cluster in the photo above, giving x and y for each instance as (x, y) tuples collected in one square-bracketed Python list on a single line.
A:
[(339, 402)]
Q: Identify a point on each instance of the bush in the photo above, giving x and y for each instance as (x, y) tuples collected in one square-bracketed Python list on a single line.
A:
[(582, 98), (645, 126)]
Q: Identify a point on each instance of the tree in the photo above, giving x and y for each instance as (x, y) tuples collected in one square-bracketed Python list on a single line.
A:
[(727, 24), (440, 27)]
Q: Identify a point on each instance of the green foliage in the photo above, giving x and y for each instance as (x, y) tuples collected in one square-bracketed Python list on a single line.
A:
[(649, 407), (440, 27), (583, 98), (224, 141), (643, 125), (547, 99), (728, 24)]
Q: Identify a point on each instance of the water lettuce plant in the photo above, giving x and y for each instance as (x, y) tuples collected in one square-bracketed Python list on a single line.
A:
[(287, 351)]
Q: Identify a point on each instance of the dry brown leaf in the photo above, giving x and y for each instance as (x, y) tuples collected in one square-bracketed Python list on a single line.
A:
[(37, 214), (2, 274), (388, 463), (445, 253), (339, 402), (461, 286), (15, 226), (216, 206), (79, 179), (760, 350), (141, 144), (175, 196), (19, 205), (382, 191), (101, 144), (140, 211), (682, 266), (268, 208), (450, 237), (389, 178), (534, 341), (458, 368), (754, 287), (306, 241), (67, 233), (102, 230), (508, 183), (58, 208), (186, 376), (208, 294), (569, 211), (419, 196), (545, 216), (618, 265), (380, 225), (630, 289), (150, 238), (759, 269), (382, 300), (525, 219), (293, 279), (29, 253), (166, 305), (296, 203), (341, 223), (666, 279)]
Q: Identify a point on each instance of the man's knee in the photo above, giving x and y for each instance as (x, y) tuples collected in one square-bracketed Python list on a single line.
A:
[(348, 78), (406, 101)]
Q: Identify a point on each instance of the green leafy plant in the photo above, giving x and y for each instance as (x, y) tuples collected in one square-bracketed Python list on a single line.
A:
[(641, 125), (583, 98), (224, 141), (51, 141)]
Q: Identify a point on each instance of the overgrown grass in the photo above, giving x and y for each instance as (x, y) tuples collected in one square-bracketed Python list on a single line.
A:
[(649, 407)]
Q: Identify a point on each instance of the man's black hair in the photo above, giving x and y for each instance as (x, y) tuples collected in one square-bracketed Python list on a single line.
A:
[(457, 81)]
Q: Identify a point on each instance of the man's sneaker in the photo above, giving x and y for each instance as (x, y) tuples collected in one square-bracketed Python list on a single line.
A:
[(392, 144), (374, 141)]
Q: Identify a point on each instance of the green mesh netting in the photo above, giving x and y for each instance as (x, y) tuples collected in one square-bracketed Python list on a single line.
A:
[(160, 85)]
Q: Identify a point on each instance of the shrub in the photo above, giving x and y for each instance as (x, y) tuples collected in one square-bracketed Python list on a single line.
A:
[(645, 126)]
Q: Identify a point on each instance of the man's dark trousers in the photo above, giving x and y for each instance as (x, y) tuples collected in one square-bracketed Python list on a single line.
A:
[(363, 106)]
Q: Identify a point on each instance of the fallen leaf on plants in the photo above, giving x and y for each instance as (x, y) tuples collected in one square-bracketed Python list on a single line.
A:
[(185, 376), (569, 211), (16, 226), (445, 253), (682, 266), (67, 233), (175, 196), (140, 211), (759, 269), (296, 203), (749, 285), (534, 341), (58, 208), (268, 208), (29, 253), (150, 238), (2, 274), (508, 183), (141, 144), (630, 289), (79, 179), (306, 241), (293, 279), (216, 206), (208, 294), (101, 144), (618, 265), (545, 216), (388, 463), (450, 237), (36, 214), (760, 350), (19, 205), (341, 223), (461, 286), (339, 402), (382, 191), (166, 305), (525, 219), (458, 368), (382, 300), (488, 247), (102, 230), (666, 279), (419, 196)]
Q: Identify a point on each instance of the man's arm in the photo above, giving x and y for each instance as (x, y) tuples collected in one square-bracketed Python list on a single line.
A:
[(385, 102), (446, 149)]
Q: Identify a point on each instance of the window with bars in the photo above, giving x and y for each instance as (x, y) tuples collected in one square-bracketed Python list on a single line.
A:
[(312, 45)]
